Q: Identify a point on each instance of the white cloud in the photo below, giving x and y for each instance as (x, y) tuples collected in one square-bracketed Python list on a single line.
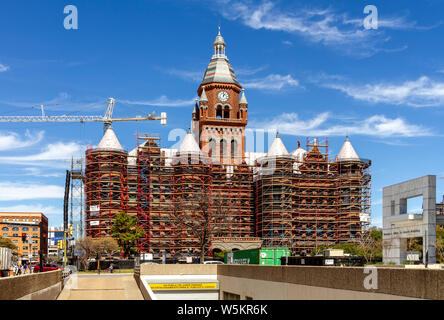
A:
[(3, 68), (162, 101), (422, 92), (11, 191), (377, 126), (46, 210), (324, 26), (396, 23), (62, 102), (247, 71), (51, 156), (272, 82), (37, 172), (186, 74), (288, 43), (12, 140)]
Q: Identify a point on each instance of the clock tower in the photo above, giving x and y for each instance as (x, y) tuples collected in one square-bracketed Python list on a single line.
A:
[(220, 114)]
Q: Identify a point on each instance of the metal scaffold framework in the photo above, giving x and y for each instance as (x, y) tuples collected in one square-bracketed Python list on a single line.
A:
[(170, 189), (154, 197), (301, 200), (76, 198), (311, 202), (105, 189)]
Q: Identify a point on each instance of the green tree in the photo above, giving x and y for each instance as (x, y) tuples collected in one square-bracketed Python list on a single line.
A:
[(126, 232), (86, 246), (7, 243)]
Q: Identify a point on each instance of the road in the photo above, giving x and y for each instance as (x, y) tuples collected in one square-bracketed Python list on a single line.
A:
[(101, 287)]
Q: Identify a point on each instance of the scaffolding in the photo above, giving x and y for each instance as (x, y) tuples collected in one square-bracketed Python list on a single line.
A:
[(170, 189), (311, 202), (76, 197), (300, 202), (154, 197), (106, 190), (232, 187), (315, 195), (273, 189)]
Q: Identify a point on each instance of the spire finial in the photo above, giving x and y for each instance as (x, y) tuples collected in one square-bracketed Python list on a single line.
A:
[(299, 144), (189, 131), (219, 30), (277, 134)]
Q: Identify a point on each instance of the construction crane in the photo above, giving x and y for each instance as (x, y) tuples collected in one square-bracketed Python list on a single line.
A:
[(74, 177), (107, 119)]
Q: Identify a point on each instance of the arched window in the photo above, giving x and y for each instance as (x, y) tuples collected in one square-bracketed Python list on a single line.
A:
[(15, 229), (25, 229), (223, 148), (218, 111), (238, 115), (233, 148), (5, 229), (226, 112), (212, 147)]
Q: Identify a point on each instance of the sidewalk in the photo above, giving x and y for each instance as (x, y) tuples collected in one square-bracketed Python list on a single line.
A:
[(101, 287)]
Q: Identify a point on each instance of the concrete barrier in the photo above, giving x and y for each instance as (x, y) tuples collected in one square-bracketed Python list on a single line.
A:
[(305, 282), (36, 286), (309, 282)]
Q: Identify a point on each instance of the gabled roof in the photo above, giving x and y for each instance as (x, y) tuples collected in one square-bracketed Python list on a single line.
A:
[(277, 148), (189, 145), (347, 152), (109, 141)]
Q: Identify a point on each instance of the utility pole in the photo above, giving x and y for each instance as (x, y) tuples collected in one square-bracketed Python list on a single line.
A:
[(41, 246)]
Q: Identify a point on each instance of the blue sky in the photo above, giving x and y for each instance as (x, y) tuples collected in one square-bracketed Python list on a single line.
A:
[(309, 69)]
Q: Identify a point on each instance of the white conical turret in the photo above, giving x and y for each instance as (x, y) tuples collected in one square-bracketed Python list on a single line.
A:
[(243, 99), (203, 96), (277, 148), (132, 157), (189, 145), (347, 152), (109, 141), (299, 153)]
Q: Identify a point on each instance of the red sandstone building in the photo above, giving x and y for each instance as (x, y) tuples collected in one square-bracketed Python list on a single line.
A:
[(300, 199)]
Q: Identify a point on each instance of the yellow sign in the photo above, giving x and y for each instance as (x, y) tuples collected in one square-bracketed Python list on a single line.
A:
[(183, 286)]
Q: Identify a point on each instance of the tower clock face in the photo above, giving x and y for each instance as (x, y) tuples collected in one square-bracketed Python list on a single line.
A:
[(223, 96)]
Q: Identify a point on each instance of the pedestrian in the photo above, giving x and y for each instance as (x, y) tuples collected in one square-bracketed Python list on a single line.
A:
[(111, 267)]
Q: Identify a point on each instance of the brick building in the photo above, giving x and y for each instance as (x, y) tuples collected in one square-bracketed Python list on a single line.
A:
[(23, 229), (300, 199)]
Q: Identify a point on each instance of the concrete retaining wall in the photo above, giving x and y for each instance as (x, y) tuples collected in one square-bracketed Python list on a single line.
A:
[(305, 282), (393, 283), (36, 286)]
